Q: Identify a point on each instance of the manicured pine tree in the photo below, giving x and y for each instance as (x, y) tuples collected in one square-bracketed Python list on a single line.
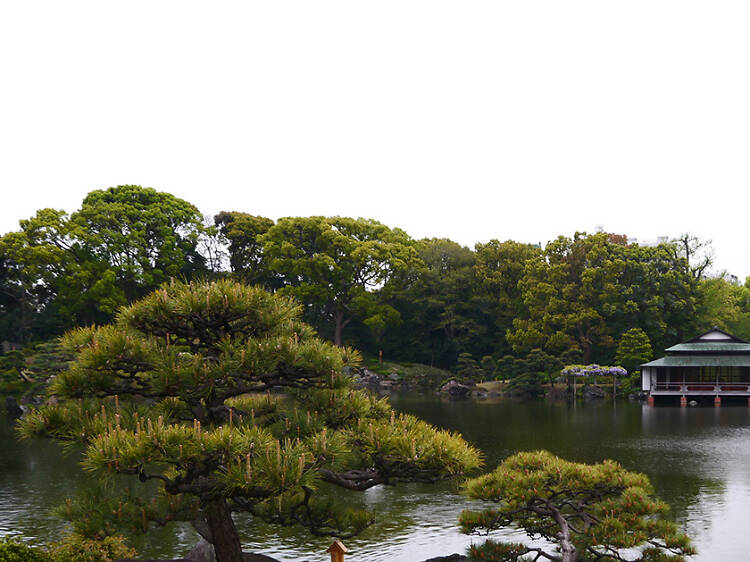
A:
[(172, 393), (633, 349), (587, 512)]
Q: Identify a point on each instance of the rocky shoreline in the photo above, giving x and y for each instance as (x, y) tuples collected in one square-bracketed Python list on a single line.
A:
[(456, 388)]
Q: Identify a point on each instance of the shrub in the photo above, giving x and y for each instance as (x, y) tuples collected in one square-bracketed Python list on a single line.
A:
[(76, 548), (13, 550)]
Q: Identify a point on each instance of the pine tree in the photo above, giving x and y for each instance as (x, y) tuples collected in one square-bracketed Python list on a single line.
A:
[(589, 512), (633, 349), (173, 392)]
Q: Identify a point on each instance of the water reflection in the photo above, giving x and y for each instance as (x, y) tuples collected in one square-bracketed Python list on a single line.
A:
[(697, 458)]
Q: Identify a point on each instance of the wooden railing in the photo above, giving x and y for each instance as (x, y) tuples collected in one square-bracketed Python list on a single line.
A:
[(688, 386)]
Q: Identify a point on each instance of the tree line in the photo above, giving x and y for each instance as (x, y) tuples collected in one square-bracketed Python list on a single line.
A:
[(364, 284)]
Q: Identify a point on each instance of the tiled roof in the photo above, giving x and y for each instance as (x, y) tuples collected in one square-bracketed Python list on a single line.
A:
[(686, 360), (709, 347)]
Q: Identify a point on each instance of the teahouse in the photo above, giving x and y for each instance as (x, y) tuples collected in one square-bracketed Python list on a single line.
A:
[(713, 364)]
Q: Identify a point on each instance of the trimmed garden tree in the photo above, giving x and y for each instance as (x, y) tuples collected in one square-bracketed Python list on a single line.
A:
[(587, 512), (170, 393), (633, 349)]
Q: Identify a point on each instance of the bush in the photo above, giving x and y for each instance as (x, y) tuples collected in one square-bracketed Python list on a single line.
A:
[(76, 548), (13, 550), (630, 384)]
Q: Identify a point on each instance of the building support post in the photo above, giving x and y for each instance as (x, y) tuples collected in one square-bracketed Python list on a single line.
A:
[(683, 401), (651, 401), (717, 401)]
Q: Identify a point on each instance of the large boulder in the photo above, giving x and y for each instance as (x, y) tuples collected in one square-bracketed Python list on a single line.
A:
[(12, 408), (593, 393), (202, 552), (365, 377), (455, 389)]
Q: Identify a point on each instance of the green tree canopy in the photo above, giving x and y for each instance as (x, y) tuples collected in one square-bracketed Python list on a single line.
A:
[(588, 290), (145, 236), (242, 233), (499, 269), (725, 304), (334, 264), (440, 306), (633, 350), (122, 243), (588, 512), (169, 393)]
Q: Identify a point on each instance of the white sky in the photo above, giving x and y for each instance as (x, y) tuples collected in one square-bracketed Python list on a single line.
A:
[(466, 119)]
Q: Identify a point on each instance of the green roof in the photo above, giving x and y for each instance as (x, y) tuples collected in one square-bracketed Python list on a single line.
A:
[(731, 347), (701, 361)]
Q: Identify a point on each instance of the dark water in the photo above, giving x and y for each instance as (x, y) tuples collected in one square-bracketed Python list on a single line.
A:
[(697, 458)]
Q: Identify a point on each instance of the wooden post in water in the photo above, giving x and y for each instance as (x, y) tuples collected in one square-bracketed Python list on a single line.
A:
[(337, 550), (380, 356)]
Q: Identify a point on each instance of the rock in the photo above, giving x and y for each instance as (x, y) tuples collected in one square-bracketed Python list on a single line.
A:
[(451, 558), (394, 376), (453, 388), (12, 407), (365, 377), (692, 403), (593, 393), (202, 552)]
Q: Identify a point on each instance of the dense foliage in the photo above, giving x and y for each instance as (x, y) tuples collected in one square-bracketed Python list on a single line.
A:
[(14, 550), (172, 392), (73, 548), (364, 284), (584, 512)]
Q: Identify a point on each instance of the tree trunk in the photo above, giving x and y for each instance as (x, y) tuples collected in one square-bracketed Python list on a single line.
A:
[(338, 327), (224, 535), (586, 352)]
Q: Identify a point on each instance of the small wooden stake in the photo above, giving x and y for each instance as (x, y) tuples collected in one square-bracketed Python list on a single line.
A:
[(337, 550)]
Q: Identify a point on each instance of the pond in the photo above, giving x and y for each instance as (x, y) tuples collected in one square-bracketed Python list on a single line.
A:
[(697, 458)]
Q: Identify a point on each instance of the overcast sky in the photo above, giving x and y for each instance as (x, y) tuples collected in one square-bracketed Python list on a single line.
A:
[(466, 119)]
